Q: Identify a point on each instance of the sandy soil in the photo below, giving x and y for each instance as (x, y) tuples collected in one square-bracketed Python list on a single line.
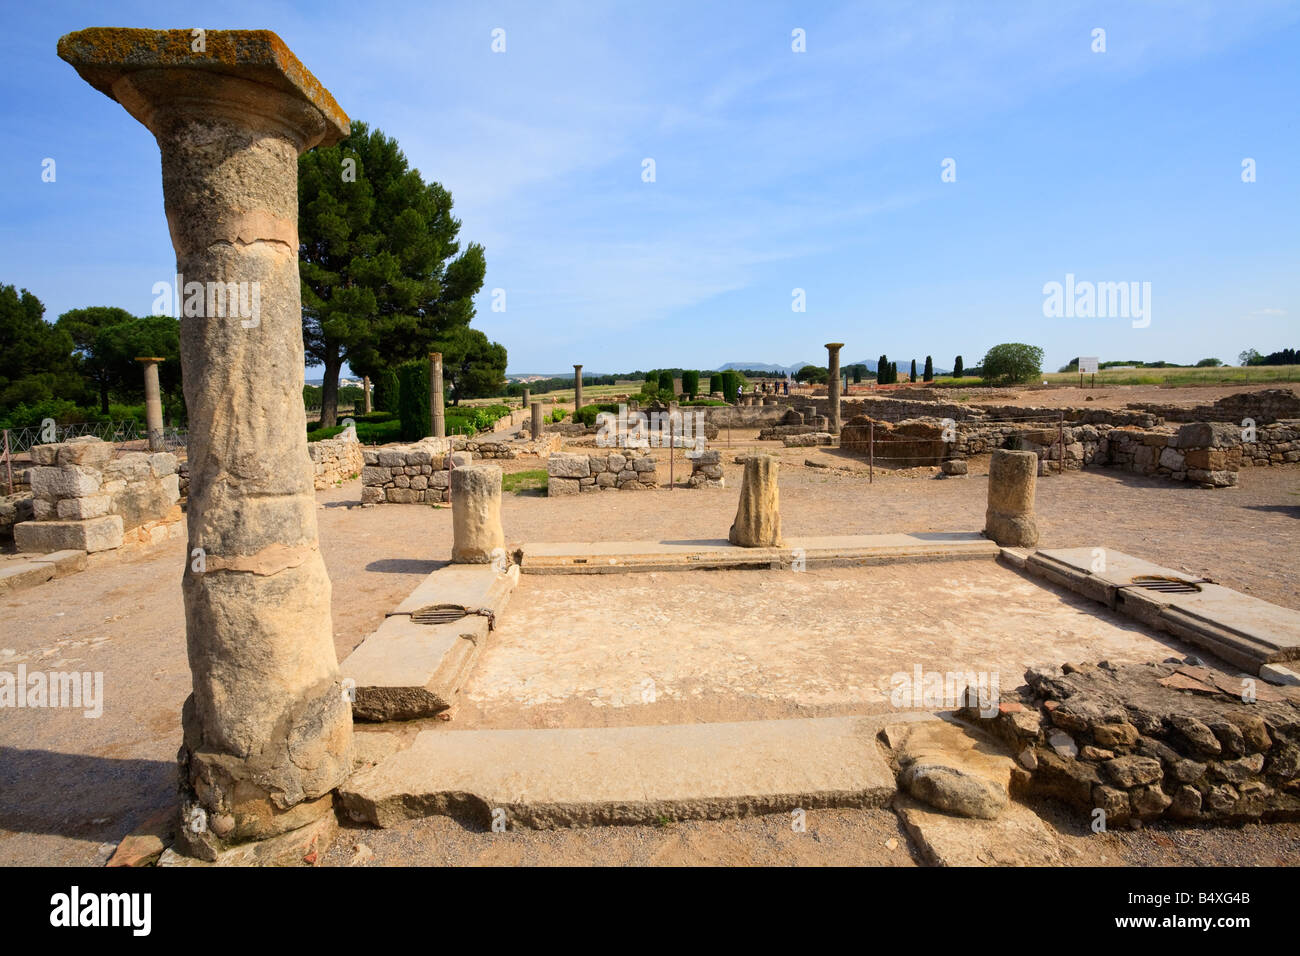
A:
[(70, 787)]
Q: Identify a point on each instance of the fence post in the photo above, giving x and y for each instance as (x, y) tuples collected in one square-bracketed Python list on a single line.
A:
[(1060, 434)]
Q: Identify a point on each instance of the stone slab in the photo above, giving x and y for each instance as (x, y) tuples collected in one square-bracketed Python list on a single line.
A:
[(1238, 628), (604, 557), (404, 670), (20, 575), (473, 587), (65, 562), (1017, 837), (627, 775)]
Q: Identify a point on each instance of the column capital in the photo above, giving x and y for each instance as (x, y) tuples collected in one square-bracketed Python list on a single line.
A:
[(836, 346), (142, 69), (155, 358)]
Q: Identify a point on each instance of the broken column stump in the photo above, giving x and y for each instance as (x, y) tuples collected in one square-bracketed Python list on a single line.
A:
[(1009, 520), (268, 728), (476, 532), (758, 516)]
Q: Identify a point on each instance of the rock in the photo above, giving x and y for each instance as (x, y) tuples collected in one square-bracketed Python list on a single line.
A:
[(1188, 771), (566, 486), (758, 516), (1196, 734), (1063, 744), (1017, 837), (1238, 771), (1068, 780), (1186, 803), (954, 466), (1149, 802), (1115, 735), (952, 790), (1129, 772), (1096, 754), (93, 535), (566, 465), (1114, 802)]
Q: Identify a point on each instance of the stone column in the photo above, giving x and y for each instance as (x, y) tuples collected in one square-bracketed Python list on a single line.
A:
[(758, 516), (526, 399), (833, 384), (152, 403), (366, 407), (437, 416), (268, 727), (1009, 520), (476, 534), (577, 387), (537, 420)]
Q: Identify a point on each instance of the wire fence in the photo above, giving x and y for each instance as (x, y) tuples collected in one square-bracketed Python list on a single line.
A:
[(20, 440)]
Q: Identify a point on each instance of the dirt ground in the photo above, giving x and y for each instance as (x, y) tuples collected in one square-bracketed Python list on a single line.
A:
[(71, 786)]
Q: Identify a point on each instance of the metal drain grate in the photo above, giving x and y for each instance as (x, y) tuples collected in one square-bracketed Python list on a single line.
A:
[(439, 614), (1153, 582)]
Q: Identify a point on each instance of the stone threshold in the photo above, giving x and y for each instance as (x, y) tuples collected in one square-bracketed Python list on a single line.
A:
[(606, 557), (1245, 631), (414, 664), (542, 779)]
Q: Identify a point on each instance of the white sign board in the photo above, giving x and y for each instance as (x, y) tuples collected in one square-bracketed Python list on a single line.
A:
[(1088, 365)]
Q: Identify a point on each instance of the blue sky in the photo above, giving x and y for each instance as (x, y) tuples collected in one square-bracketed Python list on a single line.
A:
[(774, 170)]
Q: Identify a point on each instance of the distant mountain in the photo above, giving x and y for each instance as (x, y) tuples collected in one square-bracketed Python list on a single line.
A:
[(904, 366), (765, 367)]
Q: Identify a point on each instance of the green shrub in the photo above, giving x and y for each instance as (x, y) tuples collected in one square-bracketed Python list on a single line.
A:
[(413, 400), (691, 383), (387, 392), (715, 383), (666, 382), (587, 414)]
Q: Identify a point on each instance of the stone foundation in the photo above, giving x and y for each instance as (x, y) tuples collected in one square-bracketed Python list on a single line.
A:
[(1144, 741), (706, 470), (627, 470), (408, 474)]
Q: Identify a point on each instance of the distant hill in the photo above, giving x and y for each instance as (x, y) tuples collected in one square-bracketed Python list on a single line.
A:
[(904, 366)]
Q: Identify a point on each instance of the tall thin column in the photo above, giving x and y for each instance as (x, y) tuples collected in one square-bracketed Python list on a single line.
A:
[(153, 417), (833, 384), (437, 414), (268, 727), (366, 407), (577, 387), (536, 427)]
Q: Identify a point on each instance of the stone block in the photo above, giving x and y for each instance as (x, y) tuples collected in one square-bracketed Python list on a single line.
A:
[(562, 486), (73, 481), (93, 535), (93, 453), (78, 509), (565, 465), (162, 464)]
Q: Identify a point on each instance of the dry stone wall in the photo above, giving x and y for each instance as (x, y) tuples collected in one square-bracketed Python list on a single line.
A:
[(630, 469), (87, 498), (408, 474), (334, 461)]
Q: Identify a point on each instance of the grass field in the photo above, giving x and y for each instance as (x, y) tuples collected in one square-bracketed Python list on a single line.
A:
[(1254, 375)]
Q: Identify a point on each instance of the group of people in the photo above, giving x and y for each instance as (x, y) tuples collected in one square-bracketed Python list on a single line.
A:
[(767, 388)]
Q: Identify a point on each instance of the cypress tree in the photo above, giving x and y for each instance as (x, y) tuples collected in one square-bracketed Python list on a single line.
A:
[(929, 369), (957, 368)]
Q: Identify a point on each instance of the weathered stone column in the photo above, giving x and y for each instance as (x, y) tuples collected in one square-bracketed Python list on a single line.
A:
[(758, 516), (366, 406), (833, 384), (527, 397), (268, 727), (536, 427), (476, 534), (437, 414), (1009, 520), (153, 418), (577, 387)]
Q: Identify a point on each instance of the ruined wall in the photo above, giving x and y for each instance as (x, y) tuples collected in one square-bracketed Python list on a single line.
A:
[(627, 470), (408, 474), (85, 498), (1142, 741), (706, 470), (1263, 407), (334, 461)]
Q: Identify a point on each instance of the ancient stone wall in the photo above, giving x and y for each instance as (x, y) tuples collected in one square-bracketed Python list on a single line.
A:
[(1142, 741), (87, 499), (408, 474), (706, 470), (629, 469), (1263, 407), (334, 460)]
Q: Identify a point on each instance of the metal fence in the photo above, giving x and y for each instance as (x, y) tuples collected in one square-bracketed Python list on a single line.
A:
[(18, 440)]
